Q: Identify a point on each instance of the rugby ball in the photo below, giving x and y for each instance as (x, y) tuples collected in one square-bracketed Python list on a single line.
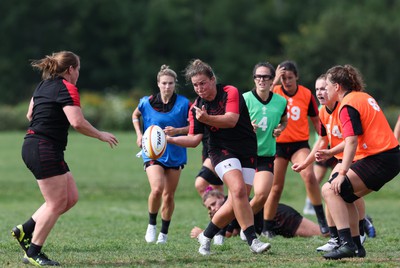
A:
[(154, 142)]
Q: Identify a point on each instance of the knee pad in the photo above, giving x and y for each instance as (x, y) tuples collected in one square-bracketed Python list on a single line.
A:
[(346, 189)]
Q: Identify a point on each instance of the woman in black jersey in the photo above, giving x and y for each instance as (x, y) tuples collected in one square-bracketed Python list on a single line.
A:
[(232, 149), (289, 222), (55, 106)]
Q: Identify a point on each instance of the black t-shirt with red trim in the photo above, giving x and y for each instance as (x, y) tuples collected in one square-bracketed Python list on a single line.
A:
[(239, 140), (49, 121)]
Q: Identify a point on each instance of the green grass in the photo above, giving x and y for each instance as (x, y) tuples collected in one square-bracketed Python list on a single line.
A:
[(106, 228)]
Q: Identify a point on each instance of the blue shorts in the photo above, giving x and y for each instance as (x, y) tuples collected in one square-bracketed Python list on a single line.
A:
[(155, 162)]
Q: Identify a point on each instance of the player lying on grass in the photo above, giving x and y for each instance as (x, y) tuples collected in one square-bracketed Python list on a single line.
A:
[(288, 222)]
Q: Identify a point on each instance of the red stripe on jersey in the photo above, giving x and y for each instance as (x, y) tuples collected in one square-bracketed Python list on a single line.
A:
[(232, 101), (345, 120), (191, 119), (73, 92)]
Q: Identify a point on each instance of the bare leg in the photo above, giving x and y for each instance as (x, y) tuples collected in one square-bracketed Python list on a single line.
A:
[(60, 194), (262, 186), (156, 177), (271, 205), (170, 185)]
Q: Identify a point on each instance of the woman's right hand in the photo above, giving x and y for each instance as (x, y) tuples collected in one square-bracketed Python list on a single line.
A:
[(297, 167), (139, 140), (194, 233), (280, 71)]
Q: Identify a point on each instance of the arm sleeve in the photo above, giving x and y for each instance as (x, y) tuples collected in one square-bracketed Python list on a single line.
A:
[(232, 101), (350, 120), (195, 127), (312, 107), (69, 95), (322, 130)]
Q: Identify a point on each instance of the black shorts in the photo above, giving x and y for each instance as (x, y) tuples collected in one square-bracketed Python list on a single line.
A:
[(287, 221), (155, 162), (43, 158), (204, 152), (265, 164), (218, 155), (330, 163), (287, 150), (209, 176), (376, 170)]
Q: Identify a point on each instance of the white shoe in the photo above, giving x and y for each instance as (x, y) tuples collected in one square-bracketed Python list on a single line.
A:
[(242, 235), (308, 208), (259, 247), (363, 238), (162, 238), (268, 234), (332, 244), (219, 240), (205, 242), (150, 233)]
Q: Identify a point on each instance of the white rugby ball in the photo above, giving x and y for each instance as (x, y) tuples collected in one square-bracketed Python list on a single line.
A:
[(154, 142)]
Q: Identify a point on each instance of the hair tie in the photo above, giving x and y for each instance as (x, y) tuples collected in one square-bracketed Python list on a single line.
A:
[(209, 188)]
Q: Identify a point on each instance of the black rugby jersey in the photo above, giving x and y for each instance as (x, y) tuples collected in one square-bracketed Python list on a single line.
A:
[(240, 140), (49, 121)]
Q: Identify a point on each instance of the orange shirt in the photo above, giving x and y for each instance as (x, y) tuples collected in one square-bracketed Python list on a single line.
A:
[(376, 135), (331, 127), (299, 106)]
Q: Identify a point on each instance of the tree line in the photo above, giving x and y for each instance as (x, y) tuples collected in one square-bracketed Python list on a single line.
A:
[(123, 43)]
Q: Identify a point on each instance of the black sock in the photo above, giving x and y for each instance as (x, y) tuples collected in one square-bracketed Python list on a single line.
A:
[(29, 226), (319, 211), (250, 234), (333, 232), (164, 226), (33, 250), (153, 218), (222, 232), (345, 237), (211, 230), (357, 241), (361, 227), (268, 225)]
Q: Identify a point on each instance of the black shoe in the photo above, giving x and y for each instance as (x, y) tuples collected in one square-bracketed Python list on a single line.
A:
[(369, 228), (360, 252), (41, 260), (23, 239), (323, 226), (344, 251)]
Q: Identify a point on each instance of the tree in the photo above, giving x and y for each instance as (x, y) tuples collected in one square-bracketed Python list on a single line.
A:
[(352, 34)]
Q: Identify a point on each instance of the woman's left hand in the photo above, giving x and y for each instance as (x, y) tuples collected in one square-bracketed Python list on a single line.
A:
[(336, 184)]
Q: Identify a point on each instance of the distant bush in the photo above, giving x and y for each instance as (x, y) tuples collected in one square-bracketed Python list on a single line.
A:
[(109, 112), (13, 117), (106, 112)]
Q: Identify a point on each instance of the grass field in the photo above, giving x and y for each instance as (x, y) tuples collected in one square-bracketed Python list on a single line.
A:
[(106, 228)]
